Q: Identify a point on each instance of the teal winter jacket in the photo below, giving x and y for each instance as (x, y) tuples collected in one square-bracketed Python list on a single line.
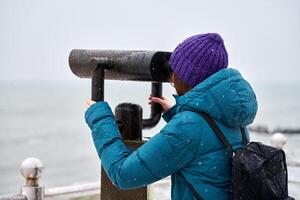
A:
[(186, 143)]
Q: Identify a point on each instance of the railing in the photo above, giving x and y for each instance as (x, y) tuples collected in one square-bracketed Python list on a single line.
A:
[(88, 191), (293, 163), (32, 168)]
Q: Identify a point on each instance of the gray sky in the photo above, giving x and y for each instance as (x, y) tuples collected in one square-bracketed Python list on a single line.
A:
[(36, 36)]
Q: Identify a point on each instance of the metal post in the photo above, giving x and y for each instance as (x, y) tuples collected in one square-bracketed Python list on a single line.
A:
[(31, 169), (129, 118)]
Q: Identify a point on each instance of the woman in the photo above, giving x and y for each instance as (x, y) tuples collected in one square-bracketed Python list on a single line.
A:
[(186, 147)]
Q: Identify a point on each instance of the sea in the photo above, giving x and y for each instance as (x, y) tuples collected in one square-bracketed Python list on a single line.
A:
[(45, 119)]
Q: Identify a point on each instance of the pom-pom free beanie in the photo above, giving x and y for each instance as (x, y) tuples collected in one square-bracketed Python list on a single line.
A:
[(198, 57)]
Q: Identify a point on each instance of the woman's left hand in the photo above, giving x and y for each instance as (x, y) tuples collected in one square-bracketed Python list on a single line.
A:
[(88, 103)]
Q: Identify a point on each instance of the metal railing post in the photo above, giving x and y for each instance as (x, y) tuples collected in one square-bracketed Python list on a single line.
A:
[(31, 169)]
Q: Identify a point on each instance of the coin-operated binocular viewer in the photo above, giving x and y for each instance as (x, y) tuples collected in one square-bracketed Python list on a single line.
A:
[(151, 66)]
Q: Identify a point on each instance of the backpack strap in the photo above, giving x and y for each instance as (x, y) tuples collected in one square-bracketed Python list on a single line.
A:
[(244, 137), (221, 136), (217, 131), (196, 194)]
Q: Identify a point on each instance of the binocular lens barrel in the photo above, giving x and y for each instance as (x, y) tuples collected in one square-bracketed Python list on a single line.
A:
[(150, 66)]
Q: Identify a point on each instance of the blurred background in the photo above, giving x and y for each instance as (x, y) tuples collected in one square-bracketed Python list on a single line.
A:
[(41, 101)]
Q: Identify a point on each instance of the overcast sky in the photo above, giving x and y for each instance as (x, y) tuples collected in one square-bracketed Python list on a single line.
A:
[(36, 36)]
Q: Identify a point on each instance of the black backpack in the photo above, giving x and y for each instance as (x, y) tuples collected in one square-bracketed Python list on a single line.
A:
[(259, 171)]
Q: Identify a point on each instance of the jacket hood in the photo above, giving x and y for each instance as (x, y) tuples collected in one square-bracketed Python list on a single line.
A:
[(225, 96)]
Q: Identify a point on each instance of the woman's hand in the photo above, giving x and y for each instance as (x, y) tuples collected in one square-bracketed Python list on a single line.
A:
[(88, 103), (164, 102)]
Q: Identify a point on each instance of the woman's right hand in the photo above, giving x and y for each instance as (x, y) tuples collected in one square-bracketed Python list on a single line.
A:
[(164, 102)]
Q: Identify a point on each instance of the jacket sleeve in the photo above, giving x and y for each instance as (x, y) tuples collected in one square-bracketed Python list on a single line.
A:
[(164, 154)]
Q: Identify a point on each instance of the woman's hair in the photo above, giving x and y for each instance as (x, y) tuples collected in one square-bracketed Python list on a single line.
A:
[(179, 85)]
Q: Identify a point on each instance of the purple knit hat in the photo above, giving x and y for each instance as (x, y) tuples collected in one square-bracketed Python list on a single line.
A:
[(198, 57)]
